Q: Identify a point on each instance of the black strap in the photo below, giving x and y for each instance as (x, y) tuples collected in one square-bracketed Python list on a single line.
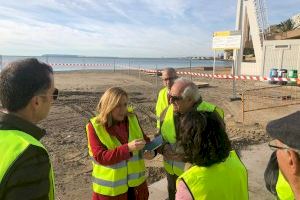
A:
[(271, 174)]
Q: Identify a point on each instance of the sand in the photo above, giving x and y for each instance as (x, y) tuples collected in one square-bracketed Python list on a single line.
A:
[(79, 95)]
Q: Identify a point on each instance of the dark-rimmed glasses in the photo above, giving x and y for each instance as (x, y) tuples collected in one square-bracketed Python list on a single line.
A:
[(169, 79), (54, 94), (275, 147), (272, 144), (175, 98)]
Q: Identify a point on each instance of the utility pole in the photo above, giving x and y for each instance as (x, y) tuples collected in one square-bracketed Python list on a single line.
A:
[(237, 57), (238, 27), (1, 61)]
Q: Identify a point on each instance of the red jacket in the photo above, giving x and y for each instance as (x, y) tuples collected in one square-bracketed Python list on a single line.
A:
[(109, 157)]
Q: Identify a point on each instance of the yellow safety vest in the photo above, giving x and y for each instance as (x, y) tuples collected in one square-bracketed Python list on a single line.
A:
[(12, 144), (205, 106), (283, 189), (115, 179), (169, 134), (226, 180), (162, 103)]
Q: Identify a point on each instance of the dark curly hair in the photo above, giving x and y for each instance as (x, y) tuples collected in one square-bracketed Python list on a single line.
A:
[(203, 138)]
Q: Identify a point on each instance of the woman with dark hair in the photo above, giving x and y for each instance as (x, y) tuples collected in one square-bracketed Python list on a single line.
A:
[(216, 171)]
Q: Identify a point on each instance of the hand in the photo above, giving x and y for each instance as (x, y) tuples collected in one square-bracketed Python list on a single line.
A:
[(167, 151), (171, 154), (149, 155), (136, 145)]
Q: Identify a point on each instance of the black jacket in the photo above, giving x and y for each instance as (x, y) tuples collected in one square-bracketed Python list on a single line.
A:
[(28, 176)]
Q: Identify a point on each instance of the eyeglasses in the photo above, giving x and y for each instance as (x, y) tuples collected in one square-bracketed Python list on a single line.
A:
[(275, 147), (54, 94), (169, 79), (272, 144), (284, 147), (175, 98)]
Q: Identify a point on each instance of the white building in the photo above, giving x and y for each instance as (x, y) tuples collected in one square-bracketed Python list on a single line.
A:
[(296, 20), (281, 54)]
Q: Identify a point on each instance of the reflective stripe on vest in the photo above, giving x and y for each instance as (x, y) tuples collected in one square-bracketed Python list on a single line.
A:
[(172, 166), (12, 144), (115, 179), (161, 104), (169, 134), (283, 189), (226, 180)]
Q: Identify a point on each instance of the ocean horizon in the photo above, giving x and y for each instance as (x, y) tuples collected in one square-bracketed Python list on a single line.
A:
[(71, 63)]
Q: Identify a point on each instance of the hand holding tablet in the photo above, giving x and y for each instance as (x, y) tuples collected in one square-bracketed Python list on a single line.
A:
[(154, 144)]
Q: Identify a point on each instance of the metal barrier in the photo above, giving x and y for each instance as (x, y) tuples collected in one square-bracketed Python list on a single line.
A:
[(269, 97)]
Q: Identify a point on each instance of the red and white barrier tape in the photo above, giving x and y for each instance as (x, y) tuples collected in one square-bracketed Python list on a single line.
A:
[(220, 76), (226, 76), (81, 64)]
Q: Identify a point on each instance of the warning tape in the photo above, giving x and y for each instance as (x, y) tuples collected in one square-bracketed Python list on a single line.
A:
[(219, 76), (81, 64), (226, 76)]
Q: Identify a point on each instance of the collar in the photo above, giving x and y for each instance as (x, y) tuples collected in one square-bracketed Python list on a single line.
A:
[(197, 103), (13, 122)]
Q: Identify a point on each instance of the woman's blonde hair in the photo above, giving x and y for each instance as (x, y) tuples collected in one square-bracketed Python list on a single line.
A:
[(109, 100)]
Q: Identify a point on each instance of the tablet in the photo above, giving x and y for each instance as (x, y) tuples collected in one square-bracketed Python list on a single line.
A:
[(154, 144)]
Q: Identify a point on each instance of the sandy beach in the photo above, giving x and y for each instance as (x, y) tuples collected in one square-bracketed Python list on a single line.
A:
[(79, 95)]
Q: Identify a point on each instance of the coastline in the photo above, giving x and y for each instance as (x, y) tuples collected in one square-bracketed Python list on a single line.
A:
[(226, 69)]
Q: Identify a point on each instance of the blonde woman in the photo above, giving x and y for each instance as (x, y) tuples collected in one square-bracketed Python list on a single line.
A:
[(115, 142)]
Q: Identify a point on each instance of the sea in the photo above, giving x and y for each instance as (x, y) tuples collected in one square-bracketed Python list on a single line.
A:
[(71, 63)]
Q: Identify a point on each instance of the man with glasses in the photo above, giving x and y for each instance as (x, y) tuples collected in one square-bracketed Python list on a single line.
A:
[(282, 175), (168, 77), (184, 97), (26, 93)]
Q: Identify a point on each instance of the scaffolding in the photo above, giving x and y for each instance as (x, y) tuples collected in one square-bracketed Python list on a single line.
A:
[(262, 18)]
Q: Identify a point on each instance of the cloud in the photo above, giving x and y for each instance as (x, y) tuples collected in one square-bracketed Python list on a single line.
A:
[(148, 28), (173, 8), (104, 41)]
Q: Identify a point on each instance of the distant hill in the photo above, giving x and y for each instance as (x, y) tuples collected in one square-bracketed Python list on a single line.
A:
[(59, 55)]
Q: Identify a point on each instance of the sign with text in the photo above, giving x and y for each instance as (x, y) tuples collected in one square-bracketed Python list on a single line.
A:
[(226, 40)]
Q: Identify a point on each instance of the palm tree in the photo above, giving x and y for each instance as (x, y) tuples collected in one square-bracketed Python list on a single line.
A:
[(287, 25)]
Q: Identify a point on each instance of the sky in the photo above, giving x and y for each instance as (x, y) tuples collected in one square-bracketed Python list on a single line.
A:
[(121, 28)]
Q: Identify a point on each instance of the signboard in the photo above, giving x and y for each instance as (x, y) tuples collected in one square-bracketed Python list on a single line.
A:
[(226, 40)]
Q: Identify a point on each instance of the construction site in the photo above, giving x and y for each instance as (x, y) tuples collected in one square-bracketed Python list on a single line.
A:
[(261, 85)]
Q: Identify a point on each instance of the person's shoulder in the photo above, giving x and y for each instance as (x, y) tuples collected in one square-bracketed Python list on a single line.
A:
[(89, 125), (32, 155), (131, 110), (183, 191), (164, 89), (26, 173), (132, 114)]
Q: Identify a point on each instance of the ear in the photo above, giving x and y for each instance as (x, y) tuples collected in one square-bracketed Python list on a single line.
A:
[(190, 99), (294, 162), (34, 102)]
